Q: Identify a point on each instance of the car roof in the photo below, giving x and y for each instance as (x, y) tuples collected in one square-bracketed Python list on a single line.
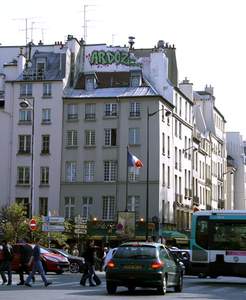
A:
[(139, 244)]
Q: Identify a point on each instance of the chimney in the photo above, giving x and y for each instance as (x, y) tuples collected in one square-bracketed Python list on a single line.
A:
[(131, 42), (186, 87), (209, 89), (21, 61)]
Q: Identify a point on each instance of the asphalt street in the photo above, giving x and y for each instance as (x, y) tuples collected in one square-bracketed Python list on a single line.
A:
[(66, 286)]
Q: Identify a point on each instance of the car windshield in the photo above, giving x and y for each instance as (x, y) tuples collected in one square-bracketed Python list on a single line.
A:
[(59, 251), (135, 252), (44, 250)]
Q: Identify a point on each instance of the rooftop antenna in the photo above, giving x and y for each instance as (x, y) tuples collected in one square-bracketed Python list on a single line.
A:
[(85, 26), (26, 26)]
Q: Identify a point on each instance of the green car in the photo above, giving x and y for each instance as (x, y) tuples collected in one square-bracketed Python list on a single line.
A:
[(143, 264)]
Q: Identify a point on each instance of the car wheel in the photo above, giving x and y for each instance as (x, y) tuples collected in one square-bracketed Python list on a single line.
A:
[(213, 276), (74, 267), (111, 288), (201, 275), (131, 288), (178, 288), (163, 288)]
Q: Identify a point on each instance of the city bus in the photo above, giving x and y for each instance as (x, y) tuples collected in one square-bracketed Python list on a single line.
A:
[(218, 243)]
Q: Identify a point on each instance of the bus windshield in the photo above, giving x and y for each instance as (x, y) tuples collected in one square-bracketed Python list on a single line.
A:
[(227, 235)]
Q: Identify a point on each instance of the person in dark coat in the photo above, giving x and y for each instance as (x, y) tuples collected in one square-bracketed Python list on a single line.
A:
[(6, 262), (90, 258), (25, 255)]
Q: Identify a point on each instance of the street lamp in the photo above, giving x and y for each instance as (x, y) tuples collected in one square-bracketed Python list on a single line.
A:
[(168, 113), (26, 104)]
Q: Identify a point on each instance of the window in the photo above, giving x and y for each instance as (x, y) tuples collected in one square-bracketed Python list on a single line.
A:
[(163, 143), (72, 138), (89, 171), (90, 111), (168, 146), (133, 204), (23, 175), (24, 144), (43, 206), (134, 136), (163, 175), (180, 130), (44, 175), (40, 70), (111, 109), (71, 171), (90, 138), (86, 207), (168, 177), (25, 116), (45, 144), (110, 170), (176, 158), (180, 106), (133, 173), (134, 109), (162, 113), (25, 89), (69, 207), (47, 89), (46, 116), (108, 207), (72, 112), (176, 127), (110, 137)]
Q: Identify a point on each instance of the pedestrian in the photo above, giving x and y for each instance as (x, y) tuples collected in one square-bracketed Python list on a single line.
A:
[(6, 262), (25, 256), (75, 251), (90, 258), (37, 265)]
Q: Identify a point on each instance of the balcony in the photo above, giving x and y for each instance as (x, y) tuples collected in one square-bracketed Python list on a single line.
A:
[(208, 181)]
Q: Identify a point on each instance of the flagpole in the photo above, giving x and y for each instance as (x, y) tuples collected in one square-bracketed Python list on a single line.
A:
[(126, 177)]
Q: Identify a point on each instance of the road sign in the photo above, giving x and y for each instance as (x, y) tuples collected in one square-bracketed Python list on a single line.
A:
[(54, 228), (51, 219), (80, 231), (80, 226), (33, 224), (79, 220)]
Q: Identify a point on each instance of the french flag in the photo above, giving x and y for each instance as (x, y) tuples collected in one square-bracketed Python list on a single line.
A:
[(133, 161)]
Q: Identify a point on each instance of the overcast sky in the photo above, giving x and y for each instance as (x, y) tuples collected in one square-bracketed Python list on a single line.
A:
[(209, 36)]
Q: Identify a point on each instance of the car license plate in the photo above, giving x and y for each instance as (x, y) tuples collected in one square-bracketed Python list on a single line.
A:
[(132, 267)]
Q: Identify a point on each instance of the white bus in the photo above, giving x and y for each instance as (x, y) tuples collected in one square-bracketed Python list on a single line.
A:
[(218, 243)]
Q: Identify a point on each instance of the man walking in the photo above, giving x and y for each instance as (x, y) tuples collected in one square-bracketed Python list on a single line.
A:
[(37, 265), (6, 262), (89, 273), (25, 256)]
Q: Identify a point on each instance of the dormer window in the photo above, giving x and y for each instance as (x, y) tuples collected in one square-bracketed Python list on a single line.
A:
[(136, 79), (90, 82), (40, 68)]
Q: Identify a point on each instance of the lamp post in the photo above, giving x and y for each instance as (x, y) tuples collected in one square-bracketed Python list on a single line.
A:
[(26, 104), (168, 113)]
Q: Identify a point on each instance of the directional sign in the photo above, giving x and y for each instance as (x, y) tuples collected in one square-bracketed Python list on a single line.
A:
[(80, 231), (51, 219), (33, 224), (79, 220), (48, 227), (80, 226)]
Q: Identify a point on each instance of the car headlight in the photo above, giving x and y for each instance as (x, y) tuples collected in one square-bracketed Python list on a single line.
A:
[(51, 259)]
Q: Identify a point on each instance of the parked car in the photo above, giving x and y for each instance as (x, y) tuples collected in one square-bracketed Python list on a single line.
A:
[(143, 264), (77, 264), (184, 256), (51, 262)]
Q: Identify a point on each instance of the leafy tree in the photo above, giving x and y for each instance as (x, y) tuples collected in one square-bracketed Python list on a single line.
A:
[(14, 223)]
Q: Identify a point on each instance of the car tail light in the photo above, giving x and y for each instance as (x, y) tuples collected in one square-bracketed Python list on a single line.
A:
[(111, 264), (157, 265)]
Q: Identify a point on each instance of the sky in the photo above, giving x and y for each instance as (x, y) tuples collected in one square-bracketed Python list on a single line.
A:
[(209, 36)]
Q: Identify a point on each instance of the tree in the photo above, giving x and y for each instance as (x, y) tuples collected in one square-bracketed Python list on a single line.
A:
[(13, 221)]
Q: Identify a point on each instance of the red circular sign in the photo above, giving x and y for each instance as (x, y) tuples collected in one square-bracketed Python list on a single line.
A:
[(33, 224)]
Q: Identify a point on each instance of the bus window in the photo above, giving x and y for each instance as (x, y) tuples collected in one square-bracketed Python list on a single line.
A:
[(202, 232)]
